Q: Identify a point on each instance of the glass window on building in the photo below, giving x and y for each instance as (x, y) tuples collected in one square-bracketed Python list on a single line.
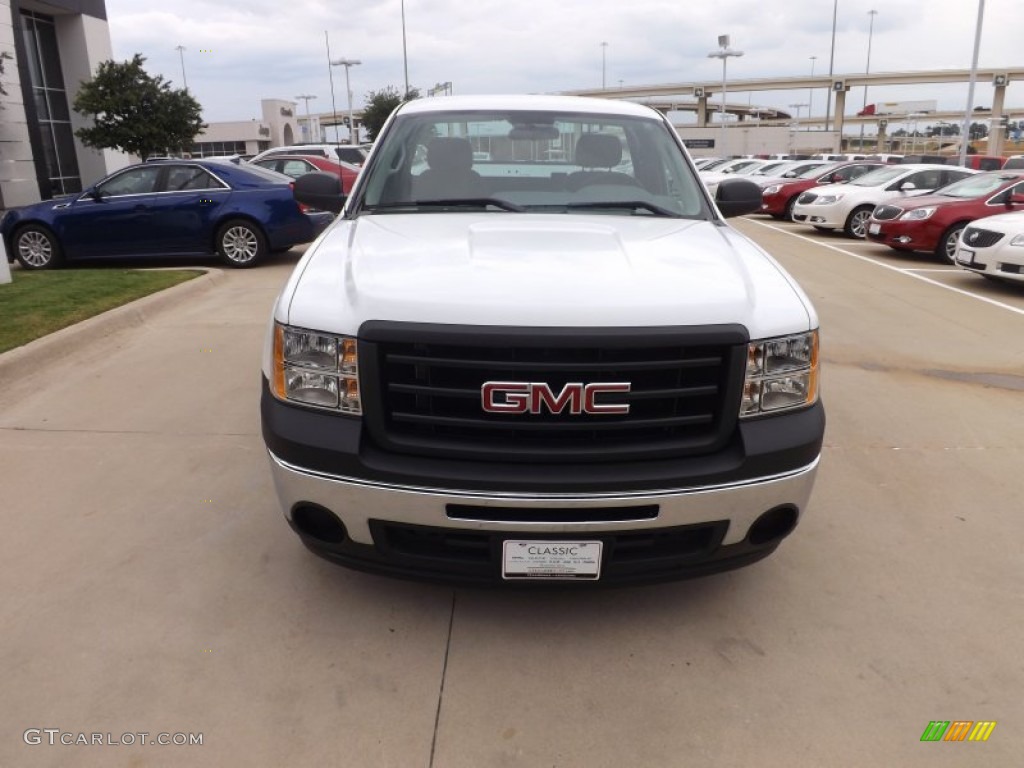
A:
[(55, 134)]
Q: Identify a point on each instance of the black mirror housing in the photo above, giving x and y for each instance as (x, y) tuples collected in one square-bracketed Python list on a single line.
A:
[(320, 190), (736, 197)]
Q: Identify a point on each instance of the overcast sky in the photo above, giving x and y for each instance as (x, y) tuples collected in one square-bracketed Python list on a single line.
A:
[(241, 51)]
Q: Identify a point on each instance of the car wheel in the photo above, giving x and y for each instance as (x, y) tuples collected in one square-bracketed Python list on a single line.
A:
[(946, 249), (788, 213), (241, 243), (36, 247), (857, 222)]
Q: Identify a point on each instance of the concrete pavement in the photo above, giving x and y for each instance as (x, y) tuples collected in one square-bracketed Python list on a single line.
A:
[(151, 584)]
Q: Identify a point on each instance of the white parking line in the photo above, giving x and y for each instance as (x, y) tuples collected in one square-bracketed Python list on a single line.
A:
[(909, 272)]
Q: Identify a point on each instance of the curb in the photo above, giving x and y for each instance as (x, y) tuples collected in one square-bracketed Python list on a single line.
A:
[(61, 343)]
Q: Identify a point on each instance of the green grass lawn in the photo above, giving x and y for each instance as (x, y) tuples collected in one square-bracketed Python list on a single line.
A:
[(38, 303)]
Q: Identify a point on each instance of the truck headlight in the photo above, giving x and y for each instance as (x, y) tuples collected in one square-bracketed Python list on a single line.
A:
[(316, 368), (781, 374), (918, 214)]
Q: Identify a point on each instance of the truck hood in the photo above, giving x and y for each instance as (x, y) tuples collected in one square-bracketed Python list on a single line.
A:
[(540, 270)]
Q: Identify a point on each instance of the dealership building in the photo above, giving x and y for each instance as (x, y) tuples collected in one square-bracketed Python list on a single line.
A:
[(48, 48)]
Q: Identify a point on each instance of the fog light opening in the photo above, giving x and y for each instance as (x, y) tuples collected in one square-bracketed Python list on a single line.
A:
[(773, 525), (318, 523)]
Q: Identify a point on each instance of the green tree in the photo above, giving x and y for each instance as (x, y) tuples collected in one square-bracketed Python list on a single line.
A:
[(379, 106), (135, 112)]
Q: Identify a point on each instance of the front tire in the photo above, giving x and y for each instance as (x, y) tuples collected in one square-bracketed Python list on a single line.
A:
[(857, 222), (788, 213), (36, 247), (241, 244), (946, 249)]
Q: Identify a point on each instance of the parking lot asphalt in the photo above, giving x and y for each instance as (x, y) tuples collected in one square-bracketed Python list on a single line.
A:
[(151, 584)]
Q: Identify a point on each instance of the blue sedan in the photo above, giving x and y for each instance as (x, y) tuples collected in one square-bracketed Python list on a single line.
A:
[(166, 208)]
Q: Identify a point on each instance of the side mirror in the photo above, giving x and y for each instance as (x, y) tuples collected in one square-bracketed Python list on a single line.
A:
[(908, 186), (95, 194), (736, 197), (320, 190)]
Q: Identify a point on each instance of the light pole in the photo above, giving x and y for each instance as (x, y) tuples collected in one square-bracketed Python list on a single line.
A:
[(604, 61), (405, 56), (810, 91), (306, 97), (966, 128), (181, 53), (831, 64), (867, 71), (724, 53), (348, 64)]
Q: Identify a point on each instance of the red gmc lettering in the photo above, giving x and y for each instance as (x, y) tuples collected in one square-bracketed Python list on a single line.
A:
[(536, 397), (570, 394), (592, 390), (516, 396)]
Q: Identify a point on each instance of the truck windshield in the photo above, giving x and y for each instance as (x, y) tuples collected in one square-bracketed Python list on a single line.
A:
[(538, 161)]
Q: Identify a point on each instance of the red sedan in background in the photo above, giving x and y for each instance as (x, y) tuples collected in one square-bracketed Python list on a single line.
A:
[(778, 199), (299, 165), (934, 222)]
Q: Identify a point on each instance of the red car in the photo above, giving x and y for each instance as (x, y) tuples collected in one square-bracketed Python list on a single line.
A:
[(777, 199), (299, 165), (933, 222)]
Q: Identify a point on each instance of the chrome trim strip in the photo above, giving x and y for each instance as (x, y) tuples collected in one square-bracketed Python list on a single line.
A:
[(569, 497)]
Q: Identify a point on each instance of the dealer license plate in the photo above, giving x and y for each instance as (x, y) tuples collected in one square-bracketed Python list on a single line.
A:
[(551, 559), (964, 256), (874, 229)]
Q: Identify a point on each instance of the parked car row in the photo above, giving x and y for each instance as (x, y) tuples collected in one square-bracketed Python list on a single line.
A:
[(974, 220)]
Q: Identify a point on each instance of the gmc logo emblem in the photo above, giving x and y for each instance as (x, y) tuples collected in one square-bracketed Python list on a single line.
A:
[(536, 397)]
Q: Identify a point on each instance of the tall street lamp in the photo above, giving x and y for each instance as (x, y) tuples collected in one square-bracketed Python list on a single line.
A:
[(723, 53), (405, 55), (604, 61), (181, 53), (306, 97), (348, 64), (966, 129), (831, 64), (867, 71), (810, 91)]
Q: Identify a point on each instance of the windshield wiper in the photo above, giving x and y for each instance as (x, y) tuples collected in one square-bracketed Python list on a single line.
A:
[(627, 205), (461, 202)]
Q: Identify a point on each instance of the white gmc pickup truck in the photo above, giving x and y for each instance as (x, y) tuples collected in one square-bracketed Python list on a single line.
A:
[(531, 349)]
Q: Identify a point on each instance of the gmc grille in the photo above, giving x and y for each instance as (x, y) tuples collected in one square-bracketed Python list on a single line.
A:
[(980, 238), (421, 390)]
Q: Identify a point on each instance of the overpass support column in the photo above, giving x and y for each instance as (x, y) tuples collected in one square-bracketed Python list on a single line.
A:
[(883, 143), (702, 110), (996, 133), (837, 122)]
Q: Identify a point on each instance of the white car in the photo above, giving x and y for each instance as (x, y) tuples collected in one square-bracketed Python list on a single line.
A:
[(994, 247), (569, 370), (848, 207), (744, 167)]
